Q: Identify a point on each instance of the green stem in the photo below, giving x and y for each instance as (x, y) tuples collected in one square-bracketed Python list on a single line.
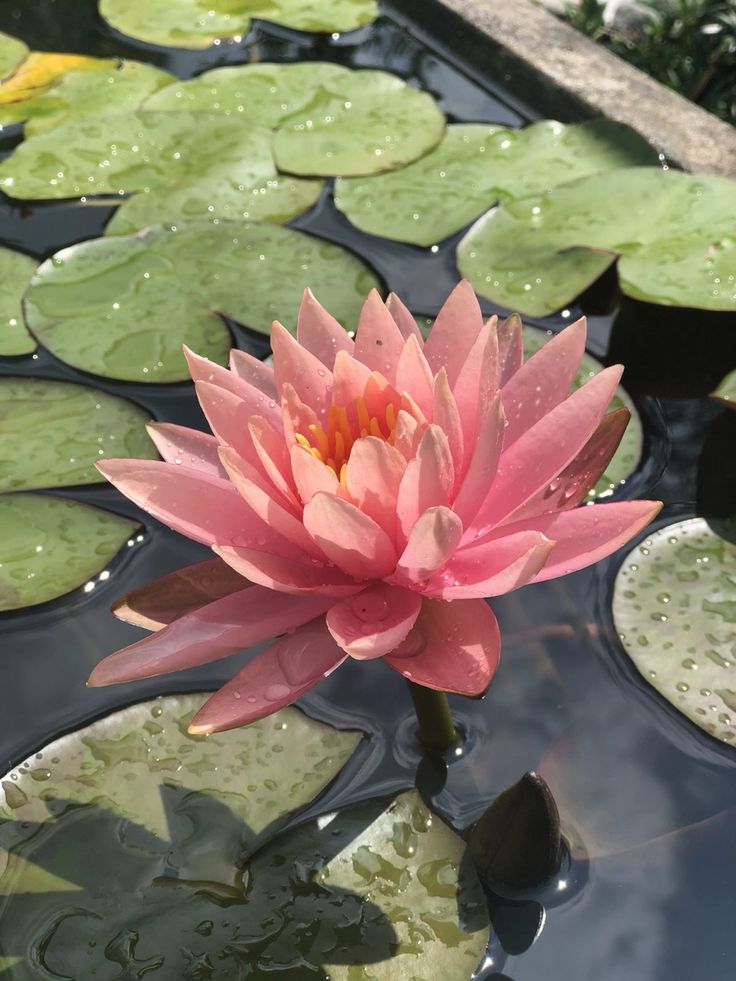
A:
[(436, 729)]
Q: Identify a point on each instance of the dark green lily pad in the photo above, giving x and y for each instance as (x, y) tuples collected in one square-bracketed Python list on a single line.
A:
[(477, 165), (12, 52), (329, 119), (16, 270), (50, 546), (674, 233), (674, 607), (51, 89), (374, 891), (52, 433), (626, 458), (726, 391), (122, 307), (197, 23)]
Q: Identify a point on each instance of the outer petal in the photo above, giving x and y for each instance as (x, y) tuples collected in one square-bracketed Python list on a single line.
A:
[(228, 416), (276, 677), (273, 455), (374, 622), (297, 416), (407, 434), (428, 479), (432, 541), (349, 538), (378, 341), (510, 348), (256, 373), (311, 475), (292, 363), (319, 332), (454, 332), (483, 464), (214, 631), (159, 602), (203, 370), (350, 379), (476, 383), (404, 320), (413, 375), (187, 447), (372, 477), (492, 568), (453, 647), (445, 415), (287, 575)]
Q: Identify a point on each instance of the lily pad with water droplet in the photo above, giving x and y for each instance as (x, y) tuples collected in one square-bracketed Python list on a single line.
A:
[(197, 23), (477, 165), (673, 234), (122, 307), (674, 607), (12, 52), (53, 432), (49, 89), (16, 270), (329, 119), (726, 391), (50, 546)]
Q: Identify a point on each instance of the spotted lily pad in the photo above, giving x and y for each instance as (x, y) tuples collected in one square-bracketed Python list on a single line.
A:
[(49, 89), (329, 119), (674, 606), (50, 546), (476, 165), (673, 233), (16, 270), (374, 891), (197, 23), (52, 432), (122, 307), (726, 391), (12, 52)]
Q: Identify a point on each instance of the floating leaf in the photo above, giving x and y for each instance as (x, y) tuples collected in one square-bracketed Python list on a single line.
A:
[(123, 307), (476, 165), (197, 23), (12, 52), (673, 232), (374, 891), (329, 119), (49, 89), (626, 458), (16, 270), (726, 391), (52, 433), (674, 606), (50, 546)]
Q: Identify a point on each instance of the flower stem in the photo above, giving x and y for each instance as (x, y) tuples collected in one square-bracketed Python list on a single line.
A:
[(436, 730)]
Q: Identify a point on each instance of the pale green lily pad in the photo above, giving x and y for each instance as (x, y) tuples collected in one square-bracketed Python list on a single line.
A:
[(626, 458), (122, 307), (477, 165), (53, 432), (185, 163), (16, 270), (197, 23), (374, 891), (12, 52), (674, 607), (726, 391), (50, 546), (329, 119), (73, 87), (674, 233)]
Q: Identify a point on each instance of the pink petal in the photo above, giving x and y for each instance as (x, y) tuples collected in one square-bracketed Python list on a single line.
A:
[(311, 475), (349, 381), (510, 348), (432, 541), (297, 416), (476, 384), (217, 630), (378, 341), (454, 332), (446, 416), (428, 479), (255, 372), (372, 477), (186, 447), (374, 622), (292, 363), (228, 415), (544, 381), (493, 567), (414, 376), (319, 332), (453, 647), (349, 538), (287, 575), (274, 678), (483, 464), (273, 455), (159, 602), (547, 448), (203, 370), (407, 434), (404, 320)]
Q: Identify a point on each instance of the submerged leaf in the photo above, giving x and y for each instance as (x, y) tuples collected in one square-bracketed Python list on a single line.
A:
[(726, 391), (16, 270), (12, 52)]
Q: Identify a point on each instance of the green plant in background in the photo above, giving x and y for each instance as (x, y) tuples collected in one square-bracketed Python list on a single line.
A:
[(688, 45)]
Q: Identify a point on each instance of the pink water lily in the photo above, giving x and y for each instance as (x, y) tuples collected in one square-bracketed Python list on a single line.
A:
[(373, 492)]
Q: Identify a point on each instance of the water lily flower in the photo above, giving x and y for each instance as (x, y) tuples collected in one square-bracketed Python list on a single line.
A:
[(363, 498)]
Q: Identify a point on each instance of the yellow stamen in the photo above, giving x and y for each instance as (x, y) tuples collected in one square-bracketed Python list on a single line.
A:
[(302, 441), (391, 417), (364, 420), (339, 448), (375, 428), (320, 438), (344, 476)]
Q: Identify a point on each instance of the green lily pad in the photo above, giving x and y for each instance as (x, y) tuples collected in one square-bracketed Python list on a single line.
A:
[(50, 546), (329, 119), (122, 307), (626, 458), (374, 891), (16, 270), (726, 391), (50, 89), (12, 52), (477, 165), (197, 23), (673, 233), (674, 607), (52, 432), (185, 163)]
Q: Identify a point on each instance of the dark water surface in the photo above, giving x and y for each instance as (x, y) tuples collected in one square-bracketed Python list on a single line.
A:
[(626, 767)]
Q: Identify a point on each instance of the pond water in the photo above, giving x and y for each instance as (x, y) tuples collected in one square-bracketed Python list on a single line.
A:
[(651, 797)]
